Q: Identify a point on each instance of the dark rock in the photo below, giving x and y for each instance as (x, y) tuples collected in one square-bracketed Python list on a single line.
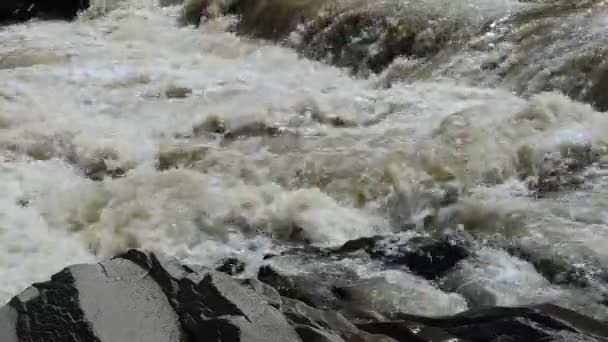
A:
[(20, 10), (597, 93), (175, 92), (367, 244), (111, 301), (23, 203), (402, 331), (212, 306), (538, 323), (271, 295), (141, 296), (313, 323), (310, 334), (58, 302), (553, 267), (231, 266), (98, 170), (428, 258), (256, 129), (310, 289)]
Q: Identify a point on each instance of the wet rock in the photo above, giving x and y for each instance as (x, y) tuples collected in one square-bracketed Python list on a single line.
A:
[(256, 129), (273, 19), (367, 244), (175, 92), (312, 324), (429, 258), (98, 169), (554, 268), (369, 37), (140, 296), (271, 295), (403, 331), (310, 334), (597, 93), (192, 12), (536, 323), (212, 306), (195, 10), (558, 170), (110, 301), (231, 266), (310, 289)]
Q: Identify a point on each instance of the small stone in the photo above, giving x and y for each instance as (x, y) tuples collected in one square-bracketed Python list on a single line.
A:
[(231, 266), (174, 92)]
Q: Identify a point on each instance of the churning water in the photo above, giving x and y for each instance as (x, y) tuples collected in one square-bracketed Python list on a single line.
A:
[(126, 129)]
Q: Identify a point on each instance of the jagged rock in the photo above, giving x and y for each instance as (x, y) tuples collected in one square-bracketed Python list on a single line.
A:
[(310, 334), (111, 301), (212, 306), (140, 296), (540, 323), (309, 289), (271, 295), (553, 267), (313, 324), (427, 257), (367, 244), (231, 266)]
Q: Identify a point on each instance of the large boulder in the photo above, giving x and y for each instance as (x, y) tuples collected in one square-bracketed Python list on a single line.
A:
[(111, 301), (212, 306)]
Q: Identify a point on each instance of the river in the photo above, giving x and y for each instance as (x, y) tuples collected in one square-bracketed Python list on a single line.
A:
[(126, 129)]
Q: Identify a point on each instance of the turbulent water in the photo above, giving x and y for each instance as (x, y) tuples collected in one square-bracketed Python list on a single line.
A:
[(126, 129)]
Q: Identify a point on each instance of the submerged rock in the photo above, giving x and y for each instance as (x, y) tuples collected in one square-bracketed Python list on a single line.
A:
[(427, 257), (231, 266), (536, 323)]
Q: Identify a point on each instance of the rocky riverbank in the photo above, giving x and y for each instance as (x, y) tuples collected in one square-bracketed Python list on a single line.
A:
[(141, 296)]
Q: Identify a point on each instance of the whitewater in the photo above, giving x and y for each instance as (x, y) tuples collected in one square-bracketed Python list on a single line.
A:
[(126, 129)]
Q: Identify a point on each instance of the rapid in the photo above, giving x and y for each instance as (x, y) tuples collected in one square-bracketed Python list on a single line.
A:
[(127, 128)]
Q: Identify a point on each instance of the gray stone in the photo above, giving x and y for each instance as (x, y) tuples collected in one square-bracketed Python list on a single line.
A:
[(310, 334), (8, 324), (212, 306), (122, 303), (271, 295)]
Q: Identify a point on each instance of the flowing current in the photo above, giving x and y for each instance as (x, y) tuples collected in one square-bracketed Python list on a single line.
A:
[(125, 129)]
